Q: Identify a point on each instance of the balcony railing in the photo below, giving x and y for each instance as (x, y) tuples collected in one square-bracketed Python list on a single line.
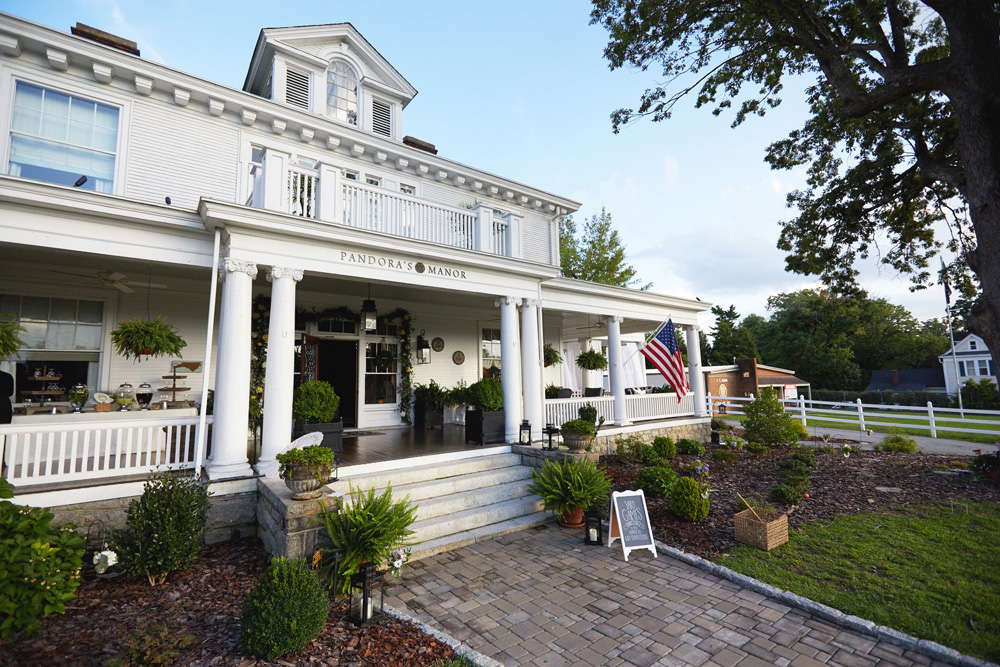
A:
[(279, 183), (643, 407)]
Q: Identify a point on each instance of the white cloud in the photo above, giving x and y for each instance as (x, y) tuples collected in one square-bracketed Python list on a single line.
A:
[(671, 171)]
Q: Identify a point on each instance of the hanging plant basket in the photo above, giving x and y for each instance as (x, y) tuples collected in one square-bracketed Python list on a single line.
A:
[(552, 355), (9, 341), (592, 360), (134, 339)]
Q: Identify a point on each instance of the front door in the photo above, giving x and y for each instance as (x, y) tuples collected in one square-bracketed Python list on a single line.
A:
[(337, 363)]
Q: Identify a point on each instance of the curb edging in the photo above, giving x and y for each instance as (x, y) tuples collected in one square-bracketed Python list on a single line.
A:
[(925, 647), (458, 647)]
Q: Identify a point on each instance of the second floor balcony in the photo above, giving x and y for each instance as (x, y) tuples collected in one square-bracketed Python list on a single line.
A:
[(326, 194)]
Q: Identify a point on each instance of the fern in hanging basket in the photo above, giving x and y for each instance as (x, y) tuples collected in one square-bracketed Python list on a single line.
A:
[(592, 360), (9, 341), (144, 338), (552, 355)]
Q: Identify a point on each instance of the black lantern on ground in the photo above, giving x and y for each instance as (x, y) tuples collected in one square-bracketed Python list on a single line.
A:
[(366, 594), (524, 433), (550, 430), (423, 349), (593, 529), (369, 316)]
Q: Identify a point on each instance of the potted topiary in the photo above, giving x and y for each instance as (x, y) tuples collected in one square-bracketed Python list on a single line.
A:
[(306, 469), (146, 338), (484, 421), (578, 434), (570, 487), (551, 355), (428, 405), (314, 408)]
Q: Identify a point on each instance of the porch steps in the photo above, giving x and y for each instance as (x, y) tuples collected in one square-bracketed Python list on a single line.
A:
[(460, 502)]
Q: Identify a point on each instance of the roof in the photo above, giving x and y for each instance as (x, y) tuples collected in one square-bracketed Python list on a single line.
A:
[(765, 379), (908, 379)]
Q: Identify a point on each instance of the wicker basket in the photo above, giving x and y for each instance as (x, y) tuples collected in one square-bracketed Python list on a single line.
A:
[(102, 407), (764, 534)]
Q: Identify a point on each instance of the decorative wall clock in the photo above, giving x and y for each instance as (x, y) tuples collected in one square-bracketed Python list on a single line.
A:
[(458, 357)]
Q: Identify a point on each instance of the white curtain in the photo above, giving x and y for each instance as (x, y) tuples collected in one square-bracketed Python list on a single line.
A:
[(572, 374), (634, 365)]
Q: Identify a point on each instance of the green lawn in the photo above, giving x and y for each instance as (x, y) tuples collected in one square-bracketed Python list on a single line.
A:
[(922, 570), (907, 426)]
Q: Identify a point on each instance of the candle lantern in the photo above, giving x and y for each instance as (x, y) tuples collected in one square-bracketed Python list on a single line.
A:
[(366, 594), (593, 529), (423, 349), (524, 433)]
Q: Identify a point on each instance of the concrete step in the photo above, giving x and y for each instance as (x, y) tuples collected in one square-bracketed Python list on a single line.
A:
[(487, 532), (476, 517), (453, 503), (437, 488), (398, 477)]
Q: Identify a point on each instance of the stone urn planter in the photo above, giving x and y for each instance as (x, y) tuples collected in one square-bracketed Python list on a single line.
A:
[(576, 442), (306, 481), (577, 434)]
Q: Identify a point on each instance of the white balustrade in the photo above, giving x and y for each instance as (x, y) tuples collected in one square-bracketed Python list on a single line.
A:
[(402, 215), (48, 453), (498, 244), (302, 189), (643, 407)]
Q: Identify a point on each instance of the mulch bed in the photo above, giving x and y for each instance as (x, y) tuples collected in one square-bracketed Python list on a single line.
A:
[(205, 601), (838, 486)]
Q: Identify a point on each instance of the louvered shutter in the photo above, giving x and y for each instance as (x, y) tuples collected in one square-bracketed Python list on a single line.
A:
[(297, 89), (381, 118)]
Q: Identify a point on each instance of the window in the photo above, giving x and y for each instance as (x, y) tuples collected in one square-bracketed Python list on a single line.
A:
[(380, 373), (337, 326), (408, 189), (381, 118), (983, 368), (491, 353), (961, 369), (972, 345), (297, 89), (373, 180), (342, 93), (993, 369), (63, 139), (351, 175)]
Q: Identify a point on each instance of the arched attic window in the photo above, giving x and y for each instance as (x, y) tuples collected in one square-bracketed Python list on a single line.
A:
[(342, 92)]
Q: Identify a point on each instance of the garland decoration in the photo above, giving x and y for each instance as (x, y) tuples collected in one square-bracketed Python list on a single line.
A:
[(258, 348)]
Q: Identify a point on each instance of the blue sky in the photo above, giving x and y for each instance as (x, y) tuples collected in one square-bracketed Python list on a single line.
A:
[(521, 89)]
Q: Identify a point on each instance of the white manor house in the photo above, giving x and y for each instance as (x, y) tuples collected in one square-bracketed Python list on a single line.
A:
[(263, 220)]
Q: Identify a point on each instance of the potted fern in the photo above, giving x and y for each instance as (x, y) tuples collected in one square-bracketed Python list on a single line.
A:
[(484, 421), (551, 355), (428, 405), (9, 342), (592, 360), (314, 408), (570, 487), (146, 338)]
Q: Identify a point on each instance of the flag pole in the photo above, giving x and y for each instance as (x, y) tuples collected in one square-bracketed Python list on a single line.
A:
[(951, 334), (655, 333)]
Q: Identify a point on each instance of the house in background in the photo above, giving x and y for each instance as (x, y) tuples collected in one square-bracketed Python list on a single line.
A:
[(975, 362), (746, 377), (929, 380)]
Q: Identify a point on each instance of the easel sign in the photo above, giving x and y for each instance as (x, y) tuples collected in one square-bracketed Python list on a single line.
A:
[(630, 522)]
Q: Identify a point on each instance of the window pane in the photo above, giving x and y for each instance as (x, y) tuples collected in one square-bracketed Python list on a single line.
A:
[(63, 310), (91, 311), (10, 304), (55, 115), (34, 334), (380, 389), (982, 367), (35, 308), (81, 122), (88, 337), (60, 336)]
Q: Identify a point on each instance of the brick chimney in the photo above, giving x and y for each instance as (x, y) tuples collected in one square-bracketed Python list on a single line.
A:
[(895, 378), (106, 38)]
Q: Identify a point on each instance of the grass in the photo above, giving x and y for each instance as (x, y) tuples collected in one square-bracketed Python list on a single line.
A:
[(924, 570), (908, 427)]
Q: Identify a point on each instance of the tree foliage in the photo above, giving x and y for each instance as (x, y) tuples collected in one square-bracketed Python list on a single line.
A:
[(902, 132), (598, 255), (730, 340)]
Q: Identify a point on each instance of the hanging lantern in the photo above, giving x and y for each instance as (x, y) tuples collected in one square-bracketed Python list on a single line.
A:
[(524, 433), (369, 316), (593, 529), (366, 594), (423, 349)]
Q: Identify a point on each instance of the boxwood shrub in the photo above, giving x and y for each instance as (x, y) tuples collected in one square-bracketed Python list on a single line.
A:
[(286, 610)]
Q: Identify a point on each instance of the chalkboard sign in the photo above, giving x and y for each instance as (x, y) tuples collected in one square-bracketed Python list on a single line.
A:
[(630, 522)]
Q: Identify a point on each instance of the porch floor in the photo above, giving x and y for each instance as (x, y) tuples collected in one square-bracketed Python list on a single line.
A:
[(389, 444)]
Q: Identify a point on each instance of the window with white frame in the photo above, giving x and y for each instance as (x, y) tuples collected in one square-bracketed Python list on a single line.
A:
[(972, 345), (373, 180), (408, 189), (961, 369), (381, 361), (342, 92), (64, 139), (491, 352), (984, 368)]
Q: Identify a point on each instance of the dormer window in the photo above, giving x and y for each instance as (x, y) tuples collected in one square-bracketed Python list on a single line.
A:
[(972, 344), (342, 92)]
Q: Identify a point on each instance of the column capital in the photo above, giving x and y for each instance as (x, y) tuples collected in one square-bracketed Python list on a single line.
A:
[(613, 318), (276, 272), (230, 265), (531, 303), (507, 301)]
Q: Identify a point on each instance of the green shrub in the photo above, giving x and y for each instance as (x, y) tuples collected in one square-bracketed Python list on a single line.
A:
[(896, 441), (39, 566), (315, 402), (664, 447), (163, 528), (154, 645), (793, 466), (633, 450), (689, 499), (286, 610), (656, 481), (486, 395), (766, 421), (725, 456), (430, 396), (757, 448), (689, 446), (569, 485), (552, 391), (806, 457), (366, 526), (588, 413), (578, 426), (786, 494)]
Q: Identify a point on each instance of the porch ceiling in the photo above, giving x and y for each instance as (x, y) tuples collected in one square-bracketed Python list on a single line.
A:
[(41, 265)]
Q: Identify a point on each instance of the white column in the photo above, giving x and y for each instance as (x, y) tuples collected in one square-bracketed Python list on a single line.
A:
[(510, 363), (232, 374), (278, 376), (530, 370), (616, 370), (695, 377)]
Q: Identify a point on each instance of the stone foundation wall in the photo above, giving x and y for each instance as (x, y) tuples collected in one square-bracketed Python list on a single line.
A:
[(605, 443), (290, 528)]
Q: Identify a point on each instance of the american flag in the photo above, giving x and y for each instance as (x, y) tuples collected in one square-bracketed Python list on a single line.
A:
[(663, 352)]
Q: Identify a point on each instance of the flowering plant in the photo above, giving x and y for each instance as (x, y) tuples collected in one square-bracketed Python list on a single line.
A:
[(104, 559), (398, 559), (732, 441), (847, 450), (698, 469)]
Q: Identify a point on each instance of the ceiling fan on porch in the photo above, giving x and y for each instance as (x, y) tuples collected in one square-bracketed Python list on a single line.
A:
[(114, 279)]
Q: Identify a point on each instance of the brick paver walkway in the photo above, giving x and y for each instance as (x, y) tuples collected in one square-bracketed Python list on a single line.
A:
[(541, 597)]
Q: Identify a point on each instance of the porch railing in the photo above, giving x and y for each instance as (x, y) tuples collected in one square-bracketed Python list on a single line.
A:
[(642, 407), (302, 190), (383, 211), (48, 453)]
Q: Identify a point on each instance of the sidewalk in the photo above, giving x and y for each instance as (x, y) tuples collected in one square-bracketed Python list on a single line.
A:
[(541, 597)]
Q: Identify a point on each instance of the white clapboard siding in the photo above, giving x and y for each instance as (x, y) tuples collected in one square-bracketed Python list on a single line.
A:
[(180, 153), (536, 237)]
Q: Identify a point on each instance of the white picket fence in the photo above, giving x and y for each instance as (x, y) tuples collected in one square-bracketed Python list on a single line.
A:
[(863, 416), (49, 453), (641, 407)]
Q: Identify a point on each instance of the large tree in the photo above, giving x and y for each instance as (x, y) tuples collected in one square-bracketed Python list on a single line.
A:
[(598, 255), (730, 340), (904, 129)]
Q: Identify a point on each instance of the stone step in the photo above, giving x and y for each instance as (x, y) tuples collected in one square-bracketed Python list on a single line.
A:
[(483, 497), (487, 532), (398, 477), (437, 488), (476, 517)]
